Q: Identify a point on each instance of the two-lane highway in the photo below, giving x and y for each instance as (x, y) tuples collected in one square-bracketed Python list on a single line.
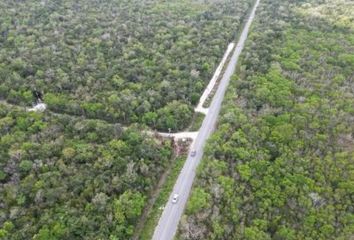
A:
[(167, 226)]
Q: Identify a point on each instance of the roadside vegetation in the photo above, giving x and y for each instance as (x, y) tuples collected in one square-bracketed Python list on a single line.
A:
[(281, 163), (162, 198), (196, 122)]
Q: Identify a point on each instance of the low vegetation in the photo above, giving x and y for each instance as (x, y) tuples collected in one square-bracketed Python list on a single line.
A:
[(161, 200)]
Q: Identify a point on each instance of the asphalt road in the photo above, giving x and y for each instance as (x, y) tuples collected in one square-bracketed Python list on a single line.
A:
[(168, 223)]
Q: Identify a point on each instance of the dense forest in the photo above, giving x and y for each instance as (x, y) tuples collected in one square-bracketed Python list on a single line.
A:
[(279, 166), (124, 61), (63, 177), (85, 169), (281, 163)]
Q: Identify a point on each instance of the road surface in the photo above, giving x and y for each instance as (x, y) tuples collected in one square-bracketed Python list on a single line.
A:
[(167, 226)]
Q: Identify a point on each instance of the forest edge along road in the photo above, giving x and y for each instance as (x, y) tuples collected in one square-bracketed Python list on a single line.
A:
[(167, 226)]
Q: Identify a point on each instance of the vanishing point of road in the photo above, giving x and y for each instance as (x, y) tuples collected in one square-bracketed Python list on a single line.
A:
[(168, 223)]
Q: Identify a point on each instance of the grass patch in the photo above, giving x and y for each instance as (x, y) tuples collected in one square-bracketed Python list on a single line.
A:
[(156, 211), (197, 121)]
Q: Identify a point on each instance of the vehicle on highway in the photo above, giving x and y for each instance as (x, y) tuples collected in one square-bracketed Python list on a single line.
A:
[(193, 153), (175, 198)]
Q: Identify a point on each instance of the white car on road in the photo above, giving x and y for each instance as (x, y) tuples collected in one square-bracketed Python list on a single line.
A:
[(175, 198)]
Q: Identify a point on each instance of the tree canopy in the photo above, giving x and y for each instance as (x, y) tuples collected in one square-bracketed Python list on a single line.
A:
[(86, 168), (114, 60), (280, 164)]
